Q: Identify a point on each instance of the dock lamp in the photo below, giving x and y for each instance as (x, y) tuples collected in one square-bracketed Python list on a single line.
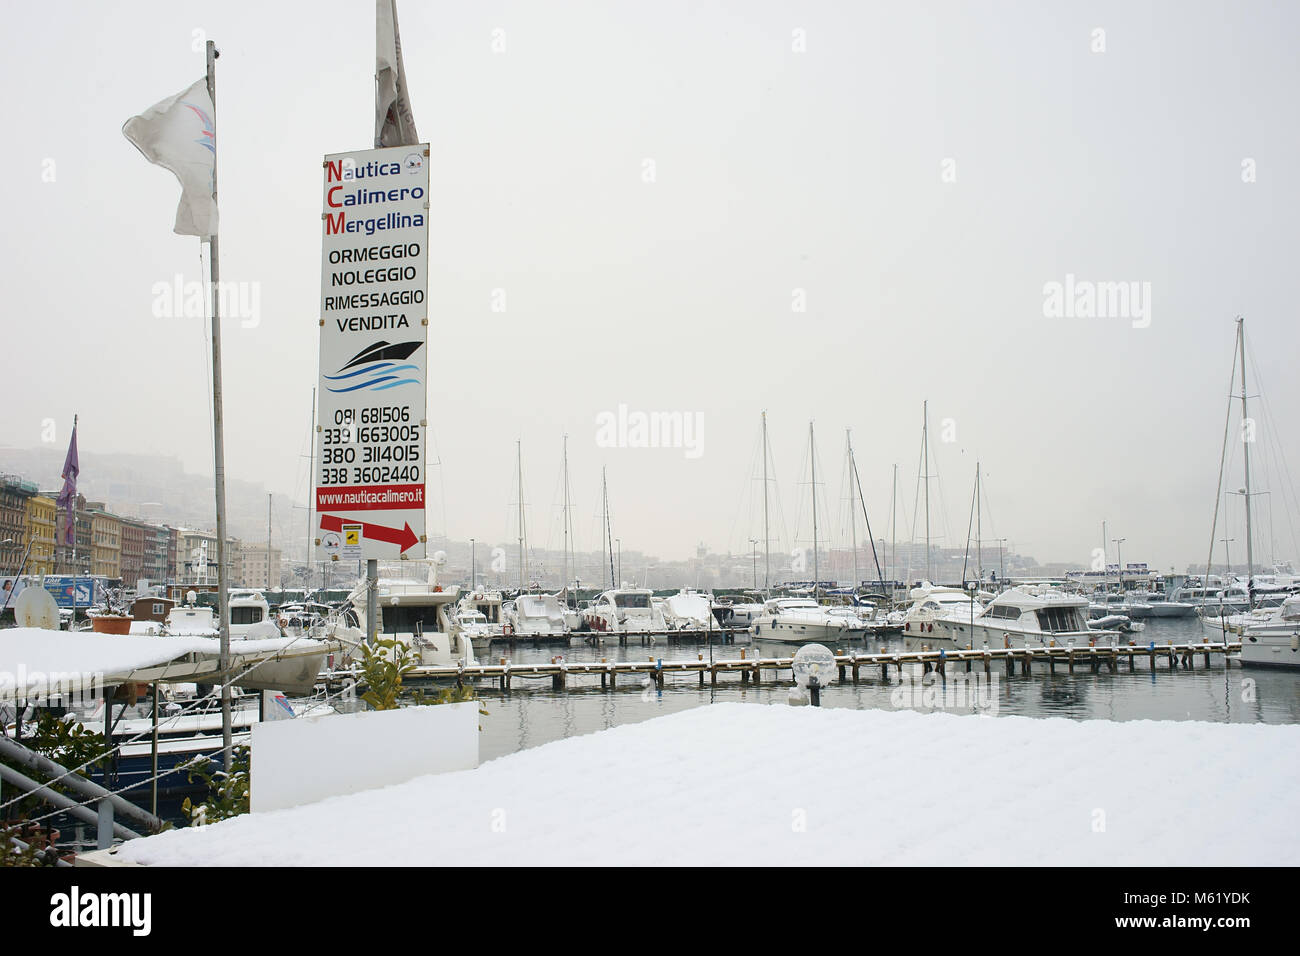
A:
[(814, 668)]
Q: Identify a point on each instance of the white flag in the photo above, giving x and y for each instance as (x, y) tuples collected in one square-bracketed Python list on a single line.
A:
[(394, 122), (179, 134)]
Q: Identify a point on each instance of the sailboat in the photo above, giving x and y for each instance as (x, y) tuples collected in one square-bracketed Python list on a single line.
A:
[(618, 609), (1269, 637)]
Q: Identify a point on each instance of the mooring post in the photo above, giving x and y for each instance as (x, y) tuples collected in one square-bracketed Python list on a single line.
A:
[(603, 671), (1173, 664), (700, 658)]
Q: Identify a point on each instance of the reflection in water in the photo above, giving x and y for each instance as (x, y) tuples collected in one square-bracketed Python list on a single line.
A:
[(531, 713)]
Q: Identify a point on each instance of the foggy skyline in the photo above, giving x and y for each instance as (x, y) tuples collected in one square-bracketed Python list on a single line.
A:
[(915, 179)]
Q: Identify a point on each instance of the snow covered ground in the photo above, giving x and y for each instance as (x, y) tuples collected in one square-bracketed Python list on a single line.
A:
[(750, 784)]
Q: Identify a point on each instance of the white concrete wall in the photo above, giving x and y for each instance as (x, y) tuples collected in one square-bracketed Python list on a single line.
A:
[(308, 759)]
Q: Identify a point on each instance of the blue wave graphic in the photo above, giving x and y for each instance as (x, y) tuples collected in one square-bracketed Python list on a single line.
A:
[(385, 381), (362, 371)]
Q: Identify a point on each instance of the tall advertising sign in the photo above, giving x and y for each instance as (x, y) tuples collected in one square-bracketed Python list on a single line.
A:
[(374, 324)]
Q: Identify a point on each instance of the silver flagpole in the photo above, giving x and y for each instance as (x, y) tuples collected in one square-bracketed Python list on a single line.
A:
[(218, 444)]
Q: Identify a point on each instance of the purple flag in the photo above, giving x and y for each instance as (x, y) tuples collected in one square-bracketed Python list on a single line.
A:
[(67, 497)]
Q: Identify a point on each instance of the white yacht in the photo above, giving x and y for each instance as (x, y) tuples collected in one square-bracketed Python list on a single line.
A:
[(1140, 604), (414, 610), (1265, 609), (1026, 616), (248, 608), (1274, 639), (625, 610), (536, 615), (738, 611), (689, 609), (802, 620), (932, 603)]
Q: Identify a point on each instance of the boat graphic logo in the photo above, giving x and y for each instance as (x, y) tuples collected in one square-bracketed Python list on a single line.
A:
[(376, 368)]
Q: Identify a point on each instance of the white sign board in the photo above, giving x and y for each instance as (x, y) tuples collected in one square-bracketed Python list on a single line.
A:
[(373, 352), (311, 758)]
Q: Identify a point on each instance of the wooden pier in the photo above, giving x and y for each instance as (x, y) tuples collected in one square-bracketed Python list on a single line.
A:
[(722, 635), (1092, 658)]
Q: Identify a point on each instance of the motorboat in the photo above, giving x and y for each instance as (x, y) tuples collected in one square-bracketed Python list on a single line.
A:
[(1025, 616), (248, 608), (1273, 640), (799, 620), (688, 610), (536, 615), (932, 603), (416, 611), (625, 611)]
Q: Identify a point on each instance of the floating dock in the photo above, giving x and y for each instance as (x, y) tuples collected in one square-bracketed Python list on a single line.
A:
[(1090, 657)]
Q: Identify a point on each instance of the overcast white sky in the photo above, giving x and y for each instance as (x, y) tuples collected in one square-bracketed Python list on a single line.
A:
[(775, 170)]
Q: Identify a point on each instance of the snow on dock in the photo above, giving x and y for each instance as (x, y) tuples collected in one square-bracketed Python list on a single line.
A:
[(35, 661), (749, 784)]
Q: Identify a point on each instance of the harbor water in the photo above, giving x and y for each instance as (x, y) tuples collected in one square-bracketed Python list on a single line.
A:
[(532, 713)]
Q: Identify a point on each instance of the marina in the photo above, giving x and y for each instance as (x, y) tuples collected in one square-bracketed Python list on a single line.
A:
[(689, 477)]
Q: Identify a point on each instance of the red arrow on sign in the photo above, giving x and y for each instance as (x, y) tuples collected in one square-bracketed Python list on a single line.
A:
[(404, 537)]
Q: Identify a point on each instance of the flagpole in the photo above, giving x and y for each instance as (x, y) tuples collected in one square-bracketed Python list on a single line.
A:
[(218, 443)]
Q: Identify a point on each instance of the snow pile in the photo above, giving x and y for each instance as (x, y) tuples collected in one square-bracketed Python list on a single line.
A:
[(32, 659), (34, 649), (745, 784)]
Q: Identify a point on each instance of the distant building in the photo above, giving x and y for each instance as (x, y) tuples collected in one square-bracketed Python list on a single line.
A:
[(196, 558), (40, 534), (251, 569), (133, 543), (158, 554), (14, 495), (105, 541)]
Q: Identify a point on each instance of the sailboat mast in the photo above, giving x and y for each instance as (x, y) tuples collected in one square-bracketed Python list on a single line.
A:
[(1245, 451), (565, 575), (812, 457), (979, 550), (767, 537), (925, 447), (519, 458), (609, 538), (893, 522), (853, 518)]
